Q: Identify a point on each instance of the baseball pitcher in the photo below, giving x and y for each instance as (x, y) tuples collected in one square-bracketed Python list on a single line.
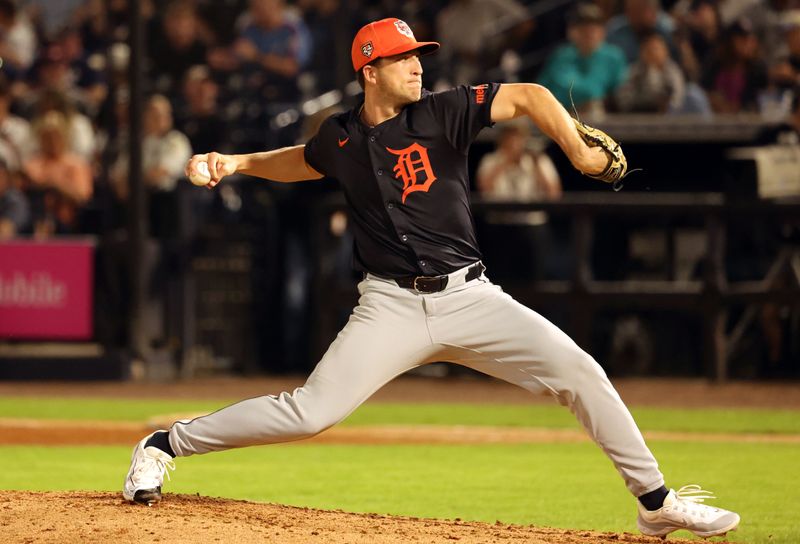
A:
[(400, 156)]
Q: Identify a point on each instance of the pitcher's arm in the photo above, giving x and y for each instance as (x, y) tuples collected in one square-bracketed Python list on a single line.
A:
[(286, 165)]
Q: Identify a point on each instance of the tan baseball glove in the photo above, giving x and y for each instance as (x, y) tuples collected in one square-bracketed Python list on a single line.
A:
[(617, 166)]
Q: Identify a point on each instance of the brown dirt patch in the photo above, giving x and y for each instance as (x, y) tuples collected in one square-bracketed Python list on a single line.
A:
[(49, 432), (95, 517), (671, 392)]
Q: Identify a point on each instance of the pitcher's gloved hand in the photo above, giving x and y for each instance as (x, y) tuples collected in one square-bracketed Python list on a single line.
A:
[(617, 166)]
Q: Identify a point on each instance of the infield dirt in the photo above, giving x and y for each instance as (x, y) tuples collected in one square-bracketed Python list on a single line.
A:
[(93, 517)]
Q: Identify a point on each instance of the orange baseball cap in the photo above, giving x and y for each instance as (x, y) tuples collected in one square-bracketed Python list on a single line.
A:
[(385, 38)]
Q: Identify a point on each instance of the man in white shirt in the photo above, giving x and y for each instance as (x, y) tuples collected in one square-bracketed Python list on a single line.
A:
[(517, 172)]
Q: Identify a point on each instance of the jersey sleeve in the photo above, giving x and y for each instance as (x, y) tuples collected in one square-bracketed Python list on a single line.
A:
[(463, 111), (319, 149)]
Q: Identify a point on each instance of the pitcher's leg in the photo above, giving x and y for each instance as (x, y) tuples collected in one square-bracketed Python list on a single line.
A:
[(503, 338), (385, 337)]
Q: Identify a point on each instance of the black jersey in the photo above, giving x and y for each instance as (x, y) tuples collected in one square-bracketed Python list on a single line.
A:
[(406, 181)]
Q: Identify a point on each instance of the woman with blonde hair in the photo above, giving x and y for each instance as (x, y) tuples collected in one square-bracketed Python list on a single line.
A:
[(63, 178)]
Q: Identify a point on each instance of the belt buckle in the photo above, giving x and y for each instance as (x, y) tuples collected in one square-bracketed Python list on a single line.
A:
[(426, 284)]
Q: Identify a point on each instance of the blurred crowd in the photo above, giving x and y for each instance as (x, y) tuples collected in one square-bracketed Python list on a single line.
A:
[(220, 73), (695, 56), (247, 75)]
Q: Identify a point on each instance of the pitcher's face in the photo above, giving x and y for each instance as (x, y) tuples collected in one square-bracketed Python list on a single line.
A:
[(399, 78)]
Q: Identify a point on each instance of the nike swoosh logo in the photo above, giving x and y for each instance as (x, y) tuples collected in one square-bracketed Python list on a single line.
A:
[(343, 142)]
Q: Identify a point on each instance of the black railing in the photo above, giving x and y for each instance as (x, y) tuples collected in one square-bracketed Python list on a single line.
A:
[(710, 296)]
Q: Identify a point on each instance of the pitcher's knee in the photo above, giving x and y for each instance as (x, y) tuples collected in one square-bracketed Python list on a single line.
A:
[(300, 415), (576, 372), (313, 423)]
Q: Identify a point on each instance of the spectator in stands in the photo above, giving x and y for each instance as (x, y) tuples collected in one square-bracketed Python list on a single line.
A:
[(15, 214), (519, 171), (62, 179), (200, 119), (52, 17), (788, 131), (640, 18), (63, 68), (271, 50), (176, 47), (330, 23), (655, 82), (727, 10), (86, 72), (81, 136), (588, 68), (785, 74), (16, 140), (17, 40), (736, 75), (767, 19), (474, 33), (222, 20), (104, 21), (52, 72), (94, 27), (165, 151), (549, 29), (697, 36)]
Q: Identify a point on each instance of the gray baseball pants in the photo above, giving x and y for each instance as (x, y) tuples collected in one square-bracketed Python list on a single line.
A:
[(393, 330)]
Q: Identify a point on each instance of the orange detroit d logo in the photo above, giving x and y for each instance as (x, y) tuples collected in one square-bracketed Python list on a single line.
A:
[(411, 162)]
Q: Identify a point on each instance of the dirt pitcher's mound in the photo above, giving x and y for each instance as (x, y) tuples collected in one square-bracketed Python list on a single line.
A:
[(87, 517)]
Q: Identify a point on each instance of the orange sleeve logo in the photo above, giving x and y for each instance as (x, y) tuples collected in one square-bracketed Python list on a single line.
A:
[(480, 93)]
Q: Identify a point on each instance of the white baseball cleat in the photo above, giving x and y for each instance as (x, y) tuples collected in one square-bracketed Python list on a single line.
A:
[(146, 475), (684, 510)]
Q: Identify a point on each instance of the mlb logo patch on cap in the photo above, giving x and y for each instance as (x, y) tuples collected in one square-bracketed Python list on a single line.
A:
[(367, 49)]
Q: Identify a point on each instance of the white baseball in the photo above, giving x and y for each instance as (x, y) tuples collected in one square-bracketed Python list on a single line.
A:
[(200, 176)]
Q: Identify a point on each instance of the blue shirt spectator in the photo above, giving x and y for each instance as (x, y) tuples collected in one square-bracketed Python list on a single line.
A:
[(276, 38), (267, 57), (52, 17), (290, 39), (587, 67), (641, 17)]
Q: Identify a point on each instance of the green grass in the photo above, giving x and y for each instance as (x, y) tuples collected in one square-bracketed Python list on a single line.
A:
[(99, 408), (561, 485), (554, 416), (531, 415)]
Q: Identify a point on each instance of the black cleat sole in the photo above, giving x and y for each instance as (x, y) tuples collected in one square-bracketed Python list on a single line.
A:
[(148, 496)]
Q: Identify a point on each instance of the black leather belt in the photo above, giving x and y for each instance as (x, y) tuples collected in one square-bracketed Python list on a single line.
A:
[(434, 284)]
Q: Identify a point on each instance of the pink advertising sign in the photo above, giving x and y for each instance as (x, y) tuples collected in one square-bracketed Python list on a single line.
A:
[(46, 289)]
